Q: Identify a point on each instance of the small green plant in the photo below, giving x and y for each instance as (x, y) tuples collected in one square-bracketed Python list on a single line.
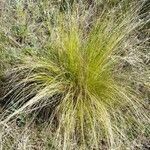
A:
[(83, 82)]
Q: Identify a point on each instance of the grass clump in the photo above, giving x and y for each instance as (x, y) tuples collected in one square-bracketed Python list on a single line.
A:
[(82, 82)]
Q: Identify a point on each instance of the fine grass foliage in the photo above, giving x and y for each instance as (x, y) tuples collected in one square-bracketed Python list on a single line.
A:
[(82, 83)]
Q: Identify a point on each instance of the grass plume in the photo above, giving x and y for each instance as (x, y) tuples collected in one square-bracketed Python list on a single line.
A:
[(75, 76)]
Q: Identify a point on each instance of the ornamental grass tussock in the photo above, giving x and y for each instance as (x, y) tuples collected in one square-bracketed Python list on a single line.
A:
[(79, 72)]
